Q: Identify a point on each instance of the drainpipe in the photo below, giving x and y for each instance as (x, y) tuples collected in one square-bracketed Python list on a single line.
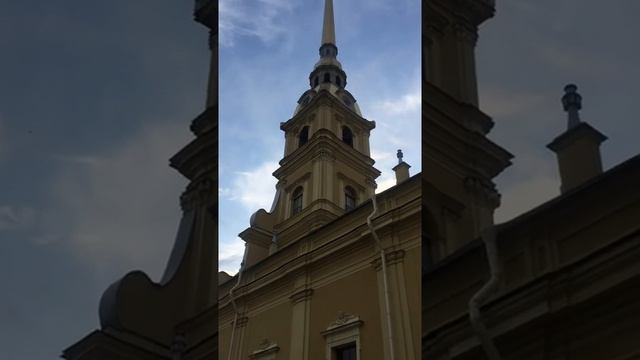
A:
[(178, 346), (384, 273), (489, 238), (233, 302)]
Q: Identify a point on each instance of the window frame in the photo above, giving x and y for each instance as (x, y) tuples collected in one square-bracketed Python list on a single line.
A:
[(350, 193), (350, 345), (301, 141), (296, 207), (343, 331), (347, 134)]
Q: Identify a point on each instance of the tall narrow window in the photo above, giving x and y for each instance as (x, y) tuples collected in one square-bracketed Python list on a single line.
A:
[(303, 137), (327, 77), (338, 81), (347, 136), (296, 201), (345, 352), (349, 198), (315, 82)]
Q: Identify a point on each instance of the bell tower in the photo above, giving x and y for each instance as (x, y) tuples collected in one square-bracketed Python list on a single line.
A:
[(459, 160), (326, 170)]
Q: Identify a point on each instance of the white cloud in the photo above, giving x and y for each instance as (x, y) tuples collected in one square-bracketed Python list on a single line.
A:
[(252, 189), (507, 104), (385, 182), (230, 256), (77, 159), (384, 161), (121, 211), (261, 19), (398, 120), (532, 183), (382, 155), (255, 189), (15, 217), (405, 104), (526, 195)]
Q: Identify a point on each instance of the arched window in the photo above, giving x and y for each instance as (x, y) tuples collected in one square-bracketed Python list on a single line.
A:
[(338, 81), (303, 137), (296, 201), (315, 82), (349, 198), (327, 77), (347, 136)]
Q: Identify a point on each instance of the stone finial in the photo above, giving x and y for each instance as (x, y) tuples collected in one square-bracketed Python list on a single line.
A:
[(402, 169), (578, 148), (572, 103)]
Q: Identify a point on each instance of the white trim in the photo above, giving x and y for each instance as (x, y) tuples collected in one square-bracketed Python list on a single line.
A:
[(345, 330), (267, 351)]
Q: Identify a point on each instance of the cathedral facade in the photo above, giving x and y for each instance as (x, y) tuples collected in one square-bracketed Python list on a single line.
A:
[(557, 282), (332, 270)]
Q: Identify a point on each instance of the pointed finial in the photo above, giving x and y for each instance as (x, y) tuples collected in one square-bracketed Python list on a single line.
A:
[(328, 25), (402, 169), (572, 103)]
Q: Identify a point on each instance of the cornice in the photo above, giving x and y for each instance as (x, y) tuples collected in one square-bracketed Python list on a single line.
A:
[(325, 98), (302, 295), (326, 142), (550, 297), (391, 258), (324, 251), (206, 13), (473, 12)]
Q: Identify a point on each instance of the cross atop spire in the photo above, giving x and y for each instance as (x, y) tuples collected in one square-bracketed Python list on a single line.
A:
[(328, 25)]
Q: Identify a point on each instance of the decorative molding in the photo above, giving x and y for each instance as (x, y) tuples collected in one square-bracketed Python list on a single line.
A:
[(342, 320), (483, 191), (392, 257), (324, 155), (465, 33), (344, 330), (302, 295), (266, 350), (299, 181), (242, 321), (198, 193)]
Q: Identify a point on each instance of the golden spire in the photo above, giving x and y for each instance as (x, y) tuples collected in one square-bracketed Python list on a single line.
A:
[(328, 25)]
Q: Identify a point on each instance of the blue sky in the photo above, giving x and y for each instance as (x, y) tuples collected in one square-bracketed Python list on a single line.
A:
[(268, 49)]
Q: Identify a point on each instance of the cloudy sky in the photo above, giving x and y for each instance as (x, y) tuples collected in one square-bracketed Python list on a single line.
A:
[(268, 48), (95, 96), (526, 54)]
